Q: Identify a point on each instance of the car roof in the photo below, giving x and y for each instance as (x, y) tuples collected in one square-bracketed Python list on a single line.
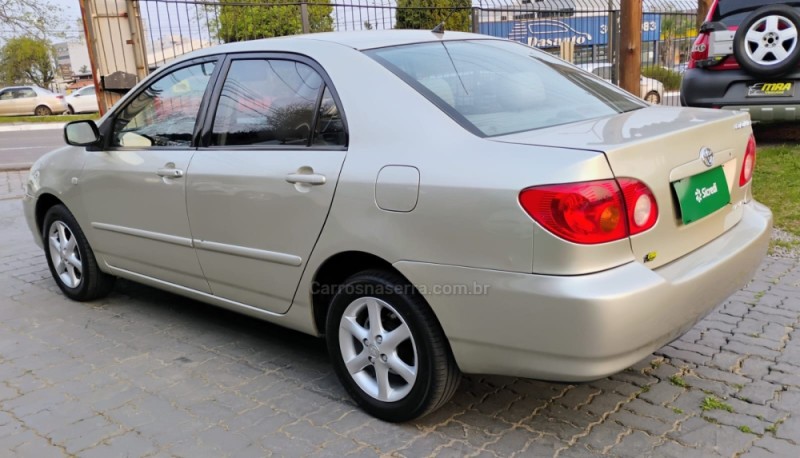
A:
[(359, 40)]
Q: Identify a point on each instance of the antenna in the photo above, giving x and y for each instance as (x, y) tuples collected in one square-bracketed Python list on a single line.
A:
[(440, 26)]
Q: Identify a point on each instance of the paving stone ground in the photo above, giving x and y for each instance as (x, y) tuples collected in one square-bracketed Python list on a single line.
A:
[(146, 373)]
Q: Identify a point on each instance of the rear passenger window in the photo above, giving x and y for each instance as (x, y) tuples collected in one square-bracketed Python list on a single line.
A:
[(267, 102), (330, 127)]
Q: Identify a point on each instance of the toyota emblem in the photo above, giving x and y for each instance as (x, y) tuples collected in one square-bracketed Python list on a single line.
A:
[(707, 156)]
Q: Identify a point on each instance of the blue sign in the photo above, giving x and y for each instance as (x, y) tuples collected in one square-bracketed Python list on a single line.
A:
[(551, 32)]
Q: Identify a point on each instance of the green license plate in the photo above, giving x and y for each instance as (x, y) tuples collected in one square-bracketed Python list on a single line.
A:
[(702, 194)]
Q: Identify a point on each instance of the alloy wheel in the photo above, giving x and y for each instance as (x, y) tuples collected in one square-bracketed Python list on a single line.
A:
[(771, 40), (65, 254), (378, 349)]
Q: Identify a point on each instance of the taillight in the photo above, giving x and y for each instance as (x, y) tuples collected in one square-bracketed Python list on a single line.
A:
[(699, 50), (640, 203), (749, 162), (594, 211), (60, 97)]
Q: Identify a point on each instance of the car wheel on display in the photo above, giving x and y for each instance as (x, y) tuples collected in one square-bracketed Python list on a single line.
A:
[(71, 259), (42, 110), (765, 44), (388, 348), (652, 97)]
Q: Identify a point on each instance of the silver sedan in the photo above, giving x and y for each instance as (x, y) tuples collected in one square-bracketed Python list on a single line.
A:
[(429, 203)]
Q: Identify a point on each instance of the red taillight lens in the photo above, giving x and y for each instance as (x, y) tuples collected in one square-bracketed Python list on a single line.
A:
[(592, 212), (60, 97), (749, 162), (699, 50)]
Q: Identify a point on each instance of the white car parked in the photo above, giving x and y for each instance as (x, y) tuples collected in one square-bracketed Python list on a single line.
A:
[(652, 91), (84, 100)]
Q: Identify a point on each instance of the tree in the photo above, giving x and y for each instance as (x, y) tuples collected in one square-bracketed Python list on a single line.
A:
[(27, 59), (27, 15), (674, 27), (426, 14), (237, 22)]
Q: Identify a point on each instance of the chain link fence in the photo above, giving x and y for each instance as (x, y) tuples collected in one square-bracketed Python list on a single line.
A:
[(585, 32)]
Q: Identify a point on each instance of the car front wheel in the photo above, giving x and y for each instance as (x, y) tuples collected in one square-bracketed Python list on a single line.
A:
[(388, 349), (70, 258), (652, 97)]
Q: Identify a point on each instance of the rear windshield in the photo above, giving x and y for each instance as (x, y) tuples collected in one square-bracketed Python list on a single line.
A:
[(733, 12), (494, 87)]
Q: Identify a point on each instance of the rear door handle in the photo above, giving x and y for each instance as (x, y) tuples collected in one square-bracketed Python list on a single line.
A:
[(170, 173), (313, 179)]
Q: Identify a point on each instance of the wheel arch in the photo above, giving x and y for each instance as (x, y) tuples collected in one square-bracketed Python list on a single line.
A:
[(334, 271), (44, 203)]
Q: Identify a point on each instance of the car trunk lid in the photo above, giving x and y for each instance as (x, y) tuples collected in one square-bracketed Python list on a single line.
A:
[(661, 146)]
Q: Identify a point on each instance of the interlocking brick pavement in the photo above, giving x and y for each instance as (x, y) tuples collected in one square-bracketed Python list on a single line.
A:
[(146, 373), (12, 183)]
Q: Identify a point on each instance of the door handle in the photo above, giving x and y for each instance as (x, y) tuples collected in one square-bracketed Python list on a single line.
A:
[(313, 179), (170, 173)]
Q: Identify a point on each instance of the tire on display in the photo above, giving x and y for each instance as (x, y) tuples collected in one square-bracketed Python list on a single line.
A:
[(388, 348), (766, 42), (70, 258)]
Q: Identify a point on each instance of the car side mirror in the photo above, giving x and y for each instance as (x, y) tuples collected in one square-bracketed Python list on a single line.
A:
[(76, 95), (81, 133)]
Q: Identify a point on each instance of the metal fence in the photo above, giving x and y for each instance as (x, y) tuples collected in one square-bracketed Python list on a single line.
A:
[(582, 31)]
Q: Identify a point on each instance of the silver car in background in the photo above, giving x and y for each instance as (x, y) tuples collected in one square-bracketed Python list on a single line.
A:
[(30, 100), (429, 203)]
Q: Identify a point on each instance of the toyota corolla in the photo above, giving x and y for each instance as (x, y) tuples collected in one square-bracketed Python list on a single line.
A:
[(430, 203)]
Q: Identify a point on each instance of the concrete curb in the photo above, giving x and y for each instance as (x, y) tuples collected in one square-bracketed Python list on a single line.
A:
[(15, 167), (23, 127)]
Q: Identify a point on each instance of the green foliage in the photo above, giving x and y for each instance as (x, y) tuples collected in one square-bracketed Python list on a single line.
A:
[(677, 410), (670, 79), (26, 16), (712, 403), (426, 14), (277, 18), (27, 59), (746, 429), (775, 183), (677, 381)]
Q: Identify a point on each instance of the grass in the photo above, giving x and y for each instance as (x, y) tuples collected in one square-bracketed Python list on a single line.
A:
[(677, 410), (677, 381), (54, 118), (712, 403), (746, 429), (776, 183)]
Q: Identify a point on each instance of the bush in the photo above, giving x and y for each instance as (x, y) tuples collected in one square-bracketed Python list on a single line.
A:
[(670, 79)]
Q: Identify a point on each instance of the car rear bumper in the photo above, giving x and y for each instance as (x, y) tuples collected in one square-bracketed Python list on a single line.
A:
[(577, 328), (728, 90)]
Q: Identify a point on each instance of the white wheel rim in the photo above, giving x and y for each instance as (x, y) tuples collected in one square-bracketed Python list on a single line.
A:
[(770, 40), (378, 349), (65, 255)]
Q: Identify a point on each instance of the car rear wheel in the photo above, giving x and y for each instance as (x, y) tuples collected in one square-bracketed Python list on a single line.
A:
[(388, 349), (42, 110), (70, 258), (652, 97), (70, 110), (765, 44)]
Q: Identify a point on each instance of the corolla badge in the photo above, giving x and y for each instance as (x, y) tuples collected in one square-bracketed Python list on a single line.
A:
[(707, 156)]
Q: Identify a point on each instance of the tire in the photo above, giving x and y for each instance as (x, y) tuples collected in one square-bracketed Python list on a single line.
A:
[(422, 353), (42, 110), (70, 258), (762, 51), (652, 97), (70, 110)]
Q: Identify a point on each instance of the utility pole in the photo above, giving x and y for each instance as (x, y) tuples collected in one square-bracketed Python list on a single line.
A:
[(630, 49), (115, 38), (702, 11)]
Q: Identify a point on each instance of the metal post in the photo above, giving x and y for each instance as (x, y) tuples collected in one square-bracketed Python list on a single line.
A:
[(304, 17), (630, 62), (88, 30), (476, 20), (702, 11), (612, 50)]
